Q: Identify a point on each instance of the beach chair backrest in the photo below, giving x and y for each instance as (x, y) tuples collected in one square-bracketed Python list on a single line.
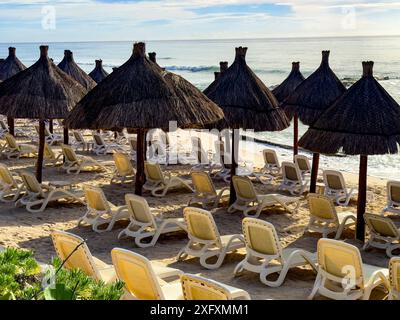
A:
[(6, 176), (78, 136), (37, 129), (244, 188), (394, 274), (393, 191), (69, 153), (220, 151), (48, 152), (133, 143), (153, 171), (201, 155), (199, 288), (98, 139), (3, 125), (65, 243), (270, 157), (261, 236), (291, 172), (30, 182), (137, 273), (334, 180), (202, 183), (302, 162), (321, 207), (95, 199), (123, 164), (339, 259), (381, 226), (47, 132), (201, 224), (139, 209), (12, 143)]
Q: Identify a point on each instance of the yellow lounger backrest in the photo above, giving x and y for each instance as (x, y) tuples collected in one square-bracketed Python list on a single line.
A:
[(198, 288), (334, 179), (302, 162), (95, 198), (394, 273), (153, 171), (65, 243), (69, 153), (270, 157), (321, 207), (3, 125), (394, 190), (261, 236), (133, 143), (201, 224), (78, 136), (381, 225), (6, 176), (244, 188), (290, 171), (139, 209), (31, 182), (202, 182), (137, 273), (48, 152), (340, 260), (12, 143), (98, 139), (123, 164)]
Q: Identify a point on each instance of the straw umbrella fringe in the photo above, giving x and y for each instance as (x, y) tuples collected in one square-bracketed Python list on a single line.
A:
[(98, 74), (8, 68), (43, 91), (140, 96), (311, 98), (364, 121), (283, 91), (247, 104)]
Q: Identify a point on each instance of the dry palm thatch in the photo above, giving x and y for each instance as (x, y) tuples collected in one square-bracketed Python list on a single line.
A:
[(43, 91), (11, 65), (98, 74), (363, 121), (287, 87), (315, 94), (139, 95), (246, 101), (69, 66)]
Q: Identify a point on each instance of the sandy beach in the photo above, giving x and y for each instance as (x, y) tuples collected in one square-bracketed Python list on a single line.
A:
[(22, 229)]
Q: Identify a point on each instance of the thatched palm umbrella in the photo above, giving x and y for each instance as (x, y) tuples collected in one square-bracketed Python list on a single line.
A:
[(283, 91), (364, 121), (8, 68), (70, 67), (98, 73), (140, 96), (247, 104), (311, 98), (43, 91)]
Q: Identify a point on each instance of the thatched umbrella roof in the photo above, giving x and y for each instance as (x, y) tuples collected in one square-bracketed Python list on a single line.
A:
[(363, 121), (11, 65), (138, 95), (43, 91), (245, 99), (98, 73), (287, 87), (69, 66), (315, 94)]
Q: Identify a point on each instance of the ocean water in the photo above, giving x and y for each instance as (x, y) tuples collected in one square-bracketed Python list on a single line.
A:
[(270, 59)]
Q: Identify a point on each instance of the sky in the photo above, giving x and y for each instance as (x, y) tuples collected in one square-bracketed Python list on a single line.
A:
[(120, 20)]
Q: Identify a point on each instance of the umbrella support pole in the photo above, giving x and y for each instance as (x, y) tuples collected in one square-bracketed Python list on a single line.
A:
[(314, 173), (295, 135), (39, 164), (11, 127), (234, 164), (140, 158), (51, 126), (66, 136), (362, 198)]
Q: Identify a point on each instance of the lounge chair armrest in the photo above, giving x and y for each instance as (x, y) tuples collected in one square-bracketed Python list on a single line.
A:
[(379, 275)]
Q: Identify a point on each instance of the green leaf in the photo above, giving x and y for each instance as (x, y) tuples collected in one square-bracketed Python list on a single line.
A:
[(60, 292), (7, 296)]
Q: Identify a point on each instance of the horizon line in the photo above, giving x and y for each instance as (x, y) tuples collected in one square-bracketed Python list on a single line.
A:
[(211, 39)]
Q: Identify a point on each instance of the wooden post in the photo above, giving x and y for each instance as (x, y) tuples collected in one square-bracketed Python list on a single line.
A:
[(66, 136), (314, 173), (362, 198), (51, 127), (295, 135), (234, 165), (11, 127), (140, 176), (39, 164)]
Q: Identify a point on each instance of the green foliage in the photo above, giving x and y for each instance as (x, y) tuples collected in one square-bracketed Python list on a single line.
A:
[(19, 274), (21, 277)]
